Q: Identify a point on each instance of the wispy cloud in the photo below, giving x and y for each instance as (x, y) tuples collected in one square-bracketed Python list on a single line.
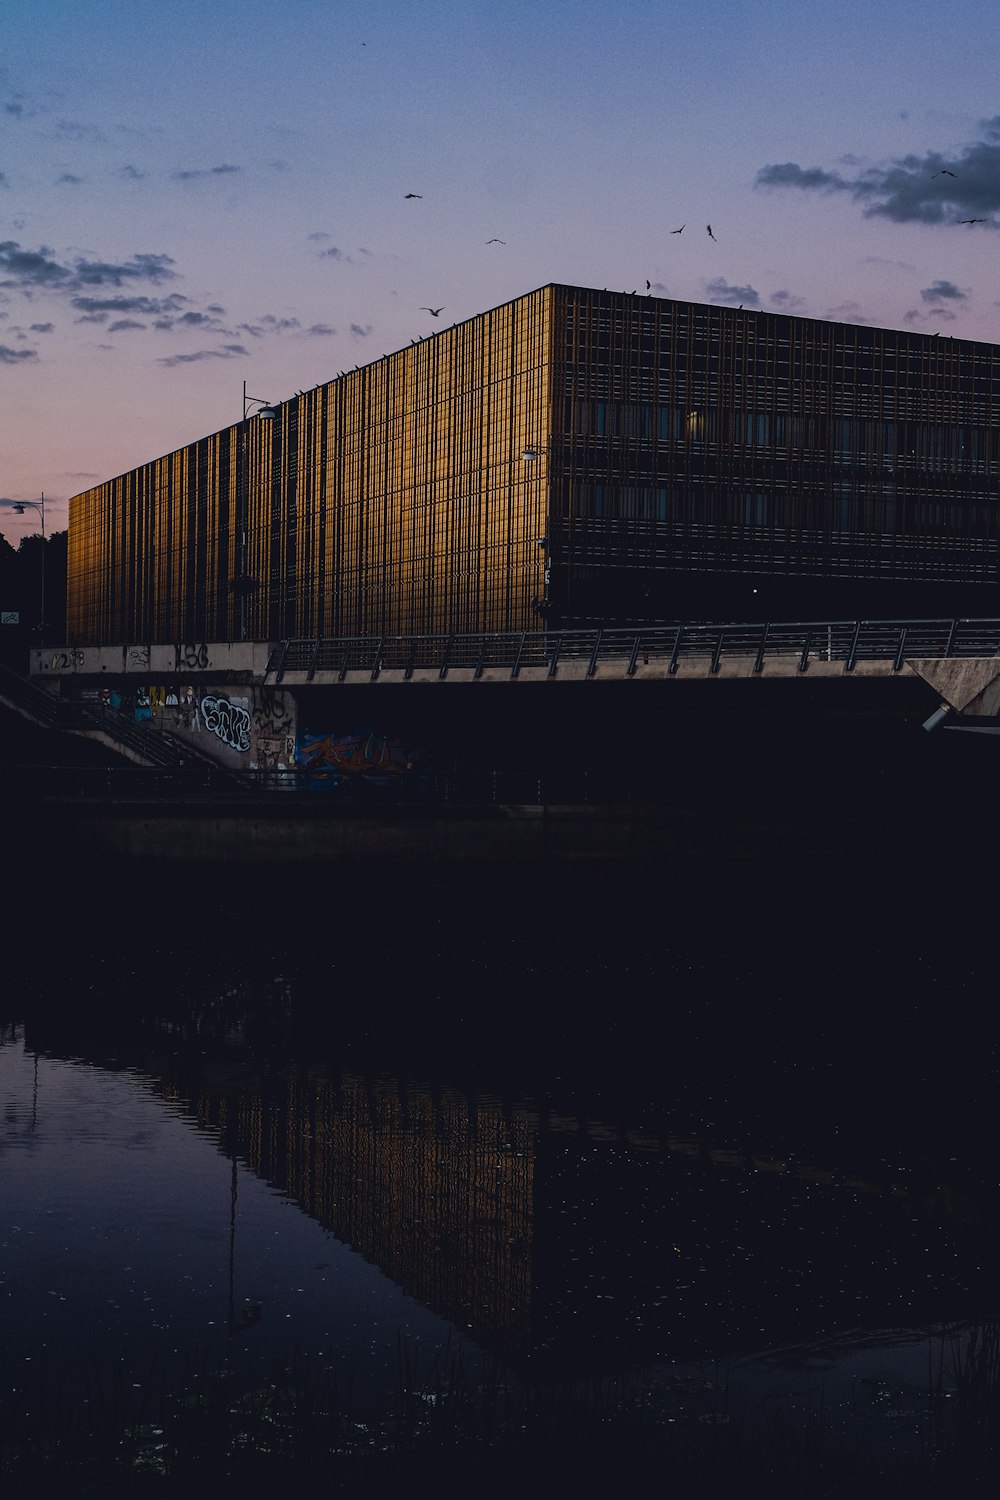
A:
[(43, 328), (934, 188), (846, 312), (320, 330), (131, 173), (719, 290), (123, 325), (787, 302), (225, 351), (99, 309), (69, 178), (10, 356), (335, 253), (192, 174), (361, 331)]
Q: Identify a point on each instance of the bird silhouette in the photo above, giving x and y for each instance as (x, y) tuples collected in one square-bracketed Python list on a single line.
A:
[(945, 173), (413, 195), (710, 234), (496, 242), (681, 230), (432, 310), (972, 221), (647, 286)]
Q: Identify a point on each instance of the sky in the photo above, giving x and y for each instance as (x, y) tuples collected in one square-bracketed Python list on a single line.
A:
[(198, 193)]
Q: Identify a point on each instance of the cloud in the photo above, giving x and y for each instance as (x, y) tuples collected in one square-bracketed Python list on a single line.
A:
[(124, 324), (659, 288), (30, 269), (318, 234), (191, 175), (335, 253), (943, 290), (846, 312), (69, 178), (76, 130), (13, 107), (43, 327), (130, 173), (786, 302), (790, 174), (933, 188), (15, 356), (719, 290), (270, 324), (226, 351), (938, 314), (320, 330), (360, 332), (3, 179), (97, 309)]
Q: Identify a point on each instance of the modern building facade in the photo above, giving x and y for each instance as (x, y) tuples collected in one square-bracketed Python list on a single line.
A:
[(574, 457)]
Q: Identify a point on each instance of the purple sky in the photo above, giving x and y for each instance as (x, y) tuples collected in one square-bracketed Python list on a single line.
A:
[(194, 193)]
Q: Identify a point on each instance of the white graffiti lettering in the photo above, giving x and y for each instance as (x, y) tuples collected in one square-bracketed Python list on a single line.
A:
[(227, 720)]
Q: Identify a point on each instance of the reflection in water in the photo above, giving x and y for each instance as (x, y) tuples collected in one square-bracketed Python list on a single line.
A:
[(584, 1150), (563, 1242)]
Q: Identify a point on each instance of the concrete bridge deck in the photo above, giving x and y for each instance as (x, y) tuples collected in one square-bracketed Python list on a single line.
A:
[(958, 659)]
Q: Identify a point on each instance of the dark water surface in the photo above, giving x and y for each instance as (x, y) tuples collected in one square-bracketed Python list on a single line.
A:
[(720, 1131)]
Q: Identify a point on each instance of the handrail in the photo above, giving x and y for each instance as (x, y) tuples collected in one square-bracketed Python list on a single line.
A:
[(846, 641)]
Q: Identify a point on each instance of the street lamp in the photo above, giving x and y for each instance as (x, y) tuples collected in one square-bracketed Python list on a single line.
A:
[(242, 584), (19, 507)]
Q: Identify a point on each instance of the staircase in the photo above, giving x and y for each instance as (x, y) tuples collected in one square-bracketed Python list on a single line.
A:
[(138, 743)]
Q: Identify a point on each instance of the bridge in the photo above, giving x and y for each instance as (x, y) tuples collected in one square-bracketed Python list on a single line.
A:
[(672, 737), (958, 659)]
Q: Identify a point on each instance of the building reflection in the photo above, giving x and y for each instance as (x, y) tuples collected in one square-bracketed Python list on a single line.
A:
[(561, 1243)]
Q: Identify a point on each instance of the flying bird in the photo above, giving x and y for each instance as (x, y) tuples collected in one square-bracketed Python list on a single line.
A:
[(413, 195), (432, 310), (972, 221), (945, 173), (496, 242), (710, 234), (681, 230)]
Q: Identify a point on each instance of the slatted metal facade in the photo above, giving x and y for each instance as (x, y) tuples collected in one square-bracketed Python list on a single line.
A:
[(685, 461)]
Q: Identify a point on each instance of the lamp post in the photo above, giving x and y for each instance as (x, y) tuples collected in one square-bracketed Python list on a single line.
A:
[(241, 583), (19, 507)]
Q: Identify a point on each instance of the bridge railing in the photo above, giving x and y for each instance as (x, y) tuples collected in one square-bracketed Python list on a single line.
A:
[(845, 641)]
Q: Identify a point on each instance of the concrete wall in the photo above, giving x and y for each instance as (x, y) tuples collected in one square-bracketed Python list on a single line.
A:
[(225, 661)]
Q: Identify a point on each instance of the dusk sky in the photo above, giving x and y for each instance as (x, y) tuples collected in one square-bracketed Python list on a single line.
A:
[(194, 193)]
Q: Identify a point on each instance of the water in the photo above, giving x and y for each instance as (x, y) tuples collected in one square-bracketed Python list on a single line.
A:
[(713, 1143)]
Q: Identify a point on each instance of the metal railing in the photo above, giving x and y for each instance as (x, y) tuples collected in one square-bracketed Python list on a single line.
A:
[(623, 650), (66, 715)]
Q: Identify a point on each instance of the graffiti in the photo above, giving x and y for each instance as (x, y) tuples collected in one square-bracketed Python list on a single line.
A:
[(61, 661), (228, 720), (273, 713), (362, 757), (192, 657), (138, 656)]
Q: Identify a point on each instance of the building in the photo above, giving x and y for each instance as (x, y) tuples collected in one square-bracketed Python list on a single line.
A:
[(570, 458)]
